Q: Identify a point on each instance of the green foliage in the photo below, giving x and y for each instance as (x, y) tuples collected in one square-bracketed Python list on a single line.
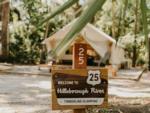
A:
[(65, 6), (79, 24), (125, 25), (25, 43), (23, 49)]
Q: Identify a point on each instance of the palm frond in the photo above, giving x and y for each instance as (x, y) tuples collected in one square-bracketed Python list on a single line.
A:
[(81, 22), (65, 6)]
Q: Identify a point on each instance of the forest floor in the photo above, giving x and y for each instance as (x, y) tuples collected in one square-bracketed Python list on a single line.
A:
[(24, 89)]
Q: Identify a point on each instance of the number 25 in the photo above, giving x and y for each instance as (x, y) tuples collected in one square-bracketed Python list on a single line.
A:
[(94, 77), (81, 55)]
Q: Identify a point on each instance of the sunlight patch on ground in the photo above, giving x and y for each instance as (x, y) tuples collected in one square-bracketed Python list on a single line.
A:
[(41, 84), (27, 98), (3, 99), (4, 109), (120, 92), (129, 88), (43, 95), (44, 85), (25, 109), (120, 82)]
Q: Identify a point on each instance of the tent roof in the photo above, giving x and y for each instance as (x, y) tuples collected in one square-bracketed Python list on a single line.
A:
[(96, 38)]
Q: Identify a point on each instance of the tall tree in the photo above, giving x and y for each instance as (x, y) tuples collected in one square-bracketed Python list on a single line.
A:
[(145, 27), (4, 34), (135, 33), (125, 2), (113, 19)]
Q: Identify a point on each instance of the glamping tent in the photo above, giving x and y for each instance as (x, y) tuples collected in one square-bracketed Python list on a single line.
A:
[(96, 39)]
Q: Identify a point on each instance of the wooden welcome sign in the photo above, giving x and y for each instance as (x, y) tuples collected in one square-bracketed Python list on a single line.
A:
[(79, 88)]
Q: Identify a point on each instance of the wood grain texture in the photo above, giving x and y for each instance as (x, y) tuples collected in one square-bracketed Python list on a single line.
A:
[(4, 33), (79, 56)]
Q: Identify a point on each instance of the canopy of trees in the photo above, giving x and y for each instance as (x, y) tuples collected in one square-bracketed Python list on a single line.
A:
[(31, 21)]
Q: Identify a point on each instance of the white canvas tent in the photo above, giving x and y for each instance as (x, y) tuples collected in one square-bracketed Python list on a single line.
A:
[(97, 39)]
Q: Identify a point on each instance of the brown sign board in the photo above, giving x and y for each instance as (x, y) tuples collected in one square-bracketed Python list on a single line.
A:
[(79, 88), (79, 56)]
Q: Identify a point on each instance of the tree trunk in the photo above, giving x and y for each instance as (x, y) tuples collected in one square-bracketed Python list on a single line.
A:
[(114, 20), (123, 31), (4, 33), (134, 56), (145, 28), (135, 33), (149, 55)]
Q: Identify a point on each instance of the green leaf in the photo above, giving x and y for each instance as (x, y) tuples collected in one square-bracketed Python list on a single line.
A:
[(81, 22), (65, 6)]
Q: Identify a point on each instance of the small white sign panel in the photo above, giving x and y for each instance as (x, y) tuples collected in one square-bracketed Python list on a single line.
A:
[(80, 101)]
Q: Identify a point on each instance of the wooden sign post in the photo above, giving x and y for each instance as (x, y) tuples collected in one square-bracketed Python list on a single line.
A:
[(79, 56), (79, 88), (79, 62)]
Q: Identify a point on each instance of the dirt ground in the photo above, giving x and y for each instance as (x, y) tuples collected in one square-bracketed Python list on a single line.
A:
[(26, 93)]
